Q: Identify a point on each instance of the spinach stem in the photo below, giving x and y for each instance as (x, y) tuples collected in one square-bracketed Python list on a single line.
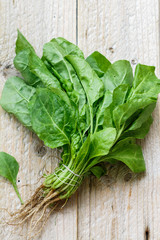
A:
[(17, 192)]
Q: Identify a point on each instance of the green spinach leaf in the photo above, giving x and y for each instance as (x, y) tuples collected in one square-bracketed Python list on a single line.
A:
[(9, 169), (15, 98), (98, 171), (99, 63), (145, 84), (52, 118), (39, 69), (21, 63), (68, 47), (118, 73), (22, 43), (92, 85), (55, 55), (106, 101), (101, 142), (128, 152), (140, 132)]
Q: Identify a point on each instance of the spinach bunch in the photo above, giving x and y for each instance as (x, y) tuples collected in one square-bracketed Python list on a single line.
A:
[(90, 108)]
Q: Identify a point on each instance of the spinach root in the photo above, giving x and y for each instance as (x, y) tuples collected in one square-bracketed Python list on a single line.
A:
[(51, 196)]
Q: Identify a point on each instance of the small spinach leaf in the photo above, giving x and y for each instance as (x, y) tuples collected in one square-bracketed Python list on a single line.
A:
[(118, 98), (143, 116), (122, 112), (9, 169), (92, 85)]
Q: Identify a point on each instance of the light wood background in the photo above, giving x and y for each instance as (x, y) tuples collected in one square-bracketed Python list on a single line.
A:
[(120, 206)]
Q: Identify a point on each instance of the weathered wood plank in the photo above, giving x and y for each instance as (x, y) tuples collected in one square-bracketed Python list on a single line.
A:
[(39, 21), (122, 206)]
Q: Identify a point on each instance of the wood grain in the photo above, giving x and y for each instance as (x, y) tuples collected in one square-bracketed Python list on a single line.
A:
[(123, 206), (120, 206)]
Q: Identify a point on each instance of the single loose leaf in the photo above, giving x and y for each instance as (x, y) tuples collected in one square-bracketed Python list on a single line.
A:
[(9, 169)]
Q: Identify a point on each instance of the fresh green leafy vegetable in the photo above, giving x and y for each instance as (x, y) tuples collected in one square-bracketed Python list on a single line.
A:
[(118, 73), (129, 153), (20, 95), (91, 109), (9, 169), (99, 63), (55, 55), (57, 121), (101, 142), (98, 171)]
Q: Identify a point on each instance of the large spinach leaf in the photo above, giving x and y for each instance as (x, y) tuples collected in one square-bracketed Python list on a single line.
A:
[(128, 152), (15, 98), (37, 67), (52, 118), (92, 85), (55, 55)]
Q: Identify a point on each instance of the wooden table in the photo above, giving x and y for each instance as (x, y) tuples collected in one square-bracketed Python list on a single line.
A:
[(120, 206)]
